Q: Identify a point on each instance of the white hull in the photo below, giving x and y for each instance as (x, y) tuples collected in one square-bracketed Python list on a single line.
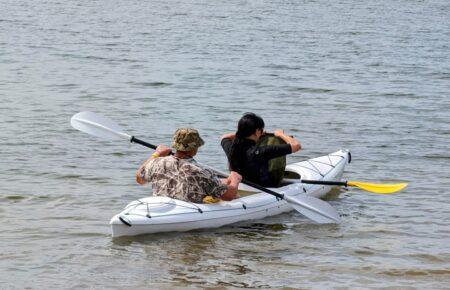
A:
[(162, 214)]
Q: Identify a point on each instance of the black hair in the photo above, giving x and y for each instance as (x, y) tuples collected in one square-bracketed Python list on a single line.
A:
[(247, 126)]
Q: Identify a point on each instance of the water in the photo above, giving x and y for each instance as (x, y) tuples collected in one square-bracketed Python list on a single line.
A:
[(372, 77)]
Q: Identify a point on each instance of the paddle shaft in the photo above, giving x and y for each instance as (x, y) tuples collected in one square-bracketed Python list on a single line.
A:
[(325, 182), (139, 141), (249, 183)]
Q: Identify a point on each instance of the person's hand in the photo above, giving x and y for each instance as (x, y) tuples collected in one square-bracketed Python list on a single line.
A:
[(235, 176), (278, 133), (163, 150)]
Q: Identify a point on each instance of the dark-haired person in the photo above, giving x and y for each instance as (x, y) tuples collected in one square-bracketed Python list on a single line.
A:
[(179, 176), (248, 159)]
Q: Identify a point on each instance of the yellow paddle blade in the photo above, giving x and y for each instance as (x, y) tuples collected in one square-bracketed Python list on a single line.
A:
[(378, 188)]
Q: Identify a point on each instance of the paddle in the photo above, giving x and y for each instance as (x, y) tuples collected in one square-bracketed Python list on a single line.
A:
[(371, 187), (311, 207)]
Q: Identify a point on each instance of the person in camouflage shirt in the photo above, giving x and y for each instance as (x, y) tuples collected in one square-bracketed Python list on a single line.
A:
[(180, 177)]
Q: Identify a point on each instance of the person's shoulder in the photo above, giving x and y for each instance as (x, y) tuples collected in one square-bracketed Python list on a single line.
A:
[(225, 141), (160, 161)]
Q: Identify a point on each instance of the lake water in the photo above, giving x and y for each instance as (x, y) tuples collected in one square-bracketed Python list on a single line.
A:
[(370, 76)]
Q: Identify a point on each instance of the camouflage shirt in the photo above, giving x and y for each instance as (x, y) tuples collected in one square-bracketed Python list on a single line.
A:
[(182, 179)]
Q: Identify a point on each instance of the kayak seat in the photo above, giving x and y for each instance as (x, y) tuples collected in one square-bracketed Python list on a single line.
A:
[(290, 178), (243, 193)]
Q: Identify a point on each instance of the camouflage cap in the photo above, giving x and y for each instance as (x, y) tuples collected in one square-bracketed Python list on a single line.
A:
[(186, 139)]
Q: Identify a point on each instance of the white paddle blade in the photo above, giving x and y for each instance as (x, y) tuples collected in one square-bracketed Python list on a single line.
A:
[(315, 209), (93, 124)]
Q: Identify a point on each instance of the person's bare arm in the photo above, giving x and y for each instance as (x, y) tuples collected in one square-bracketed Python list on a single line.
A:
[(161, 151), (140, 172), (295, 144)]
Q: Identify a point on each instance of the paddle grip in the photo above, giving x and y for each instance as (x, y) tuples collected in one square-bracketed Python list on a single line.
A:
[(139, 141)]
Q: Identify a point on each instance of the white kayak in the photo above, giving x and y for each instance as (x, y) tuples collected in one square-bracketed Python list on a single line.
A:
[(163, 214)]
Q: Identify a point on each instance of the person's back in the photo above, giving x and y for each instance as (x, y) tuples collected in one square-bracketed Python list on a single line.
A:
[(180, 177), (249, 160)]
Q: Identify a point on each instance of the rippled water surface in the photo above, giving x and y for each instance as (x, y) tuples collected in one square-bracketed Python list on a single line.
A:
[(370, 76)]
